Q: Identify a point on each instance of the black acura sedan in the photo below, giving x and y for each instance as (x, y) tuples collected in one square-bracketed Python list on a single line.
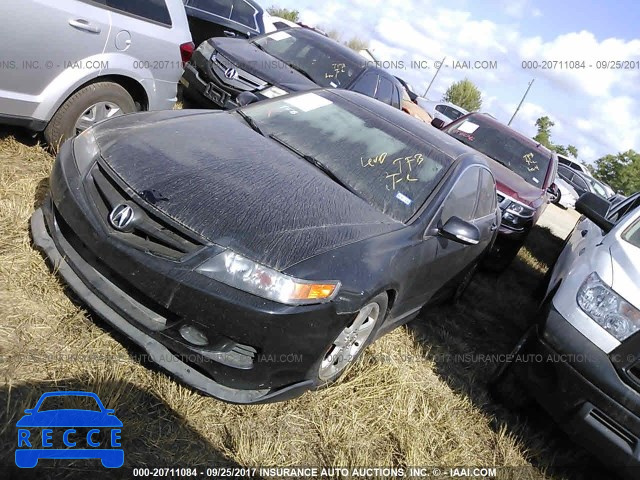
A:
[(255, 253), (272, 65)]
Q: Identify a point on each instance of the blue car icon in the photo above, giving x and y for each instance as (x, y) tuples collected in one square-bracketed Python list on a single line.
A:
[(41, 432)]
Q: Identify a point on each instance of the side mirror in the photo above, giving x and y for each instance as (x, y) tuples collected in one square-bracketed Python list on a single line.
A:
[(109, 411), (246, 98), (460, 231), (28, 411), (553, 191), (595, 208), (438, 123)]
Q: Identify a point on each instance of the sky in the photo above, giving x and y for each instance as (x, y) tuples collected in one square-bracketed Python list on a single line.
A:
[(592, 108)]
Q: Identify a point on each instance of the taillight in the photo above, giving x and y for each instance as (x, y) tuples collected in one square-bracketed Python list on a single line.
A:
[(186, 51)]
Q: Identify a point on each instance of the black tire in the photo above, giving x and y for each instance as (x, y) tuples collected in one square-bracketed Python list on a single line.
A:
[(556, 200), (62, 125), (382, 301)]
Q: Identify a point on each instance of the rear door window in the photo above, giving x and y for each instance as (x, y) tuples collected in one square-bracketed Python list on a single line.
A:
[(367, 85), (244, 13), (385, 91), (154, 10), (222, 8)]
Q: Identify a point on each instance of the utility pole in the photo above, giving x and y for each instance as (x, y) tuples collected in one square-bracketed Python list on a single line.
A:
[(521, 101), (434, 77)]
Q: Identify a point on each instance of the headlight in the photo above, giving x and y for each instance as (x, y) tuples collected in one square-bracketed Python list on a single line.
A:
[(607, 308), (85, 150), (207, 50), (520, 210), (244, 274), (273, 92)]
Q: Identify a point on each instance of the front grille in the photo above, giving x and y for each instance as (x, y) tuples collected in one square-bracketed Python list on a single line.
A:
[(243, 81), (151, 233)]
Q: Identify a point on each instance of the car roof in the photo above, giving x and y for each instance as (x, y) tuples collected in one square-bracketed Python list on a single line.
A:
[(448, 104), (400, 119)]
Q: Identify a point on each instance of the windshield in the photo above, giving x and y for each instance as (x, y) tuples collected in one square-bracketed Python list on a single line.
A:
[(632, 234), (387, 167), (315, 57), (496, 142)]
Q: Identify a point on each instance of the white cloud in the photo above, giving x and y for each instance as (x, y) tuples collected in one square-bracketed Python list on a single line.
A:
[(592, 108)]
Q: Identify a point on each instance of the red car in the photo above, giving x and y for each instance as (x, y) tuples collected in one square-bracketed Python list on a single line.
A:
[(524, 170)]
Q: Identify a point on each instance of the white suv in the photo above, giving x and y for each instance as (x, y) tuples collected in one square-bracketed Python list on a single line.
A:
[(581, 360), (71, 63)]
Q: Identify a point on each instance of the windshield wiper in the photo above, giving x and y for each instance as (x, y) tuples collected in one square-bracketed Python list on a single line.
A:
[(301, 71), (313, 161), (250, 121)]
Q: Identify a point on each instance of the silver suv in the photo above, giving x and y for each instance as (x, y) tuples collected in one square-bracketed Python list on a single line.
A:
[(68, 64)]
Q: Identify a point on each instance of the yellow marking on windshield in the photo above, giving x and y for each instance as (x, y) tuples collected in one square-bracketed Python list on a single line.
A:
[(338, 68), (373, 161), (411, 162)]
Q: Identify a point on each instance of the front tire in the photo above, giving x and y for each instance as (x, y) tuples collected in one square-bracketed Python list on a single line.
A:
[(85, 108), (351, 341)]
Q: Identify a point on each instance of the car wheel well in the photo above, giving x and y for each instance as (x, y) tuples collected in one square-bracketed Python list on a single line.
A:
[(133, 88), (391, 296)]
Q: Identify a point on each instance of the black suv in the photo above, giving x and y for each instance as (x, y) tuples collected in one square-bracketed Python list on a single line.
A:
[(223, 18), (292, 60)]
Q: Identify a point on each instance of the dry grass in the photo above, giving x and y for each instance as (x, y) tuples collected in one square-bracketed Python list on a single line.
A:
[(408, 402)]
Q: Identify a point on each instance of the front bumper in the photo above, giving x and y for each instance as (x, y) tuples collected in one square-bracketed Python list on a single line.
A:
[(211, 94), (578, 385), (260, 351)]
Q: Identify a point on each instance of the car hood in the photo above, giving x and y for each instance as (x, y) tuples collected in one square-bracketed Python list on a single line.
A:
[(514, 185), (625, 259), (236, 188), (69, 418), (250, 58)]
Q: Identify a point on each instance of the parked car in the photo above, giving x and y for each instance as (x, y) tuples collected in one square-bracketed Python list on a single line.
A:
[(525, 172), (445, 111), (573, 164), (567, 196), (257, 257), (413, 96), (583, 183), (292, 60), (224, 18), (273, 23), (413, 109), (589, 336), (89, 61)]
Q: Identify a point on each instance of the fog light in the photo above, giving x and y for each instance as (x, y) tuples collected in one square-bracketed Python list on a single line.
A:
[(193, 336)]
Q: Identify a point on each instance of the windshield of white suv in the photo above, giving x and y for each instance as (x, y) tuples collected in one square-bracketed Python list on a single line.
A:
[(632, 234)]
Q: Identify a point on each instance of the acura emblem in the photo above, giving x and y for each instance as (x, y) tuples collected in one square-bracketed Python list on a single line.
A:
[(121, 217), (230, 73)]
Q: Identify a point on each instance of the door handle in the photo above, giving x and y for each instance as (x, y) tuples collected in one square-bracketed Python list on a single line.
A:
[(494, 227), (229, 33), (584, 233), (82, 24)]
